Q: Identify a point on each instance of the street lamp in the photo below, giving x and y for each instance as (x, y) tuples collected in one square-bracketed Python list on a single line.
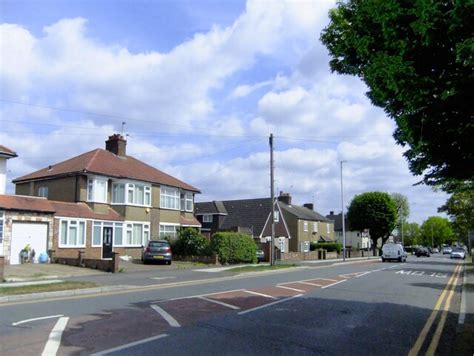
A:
[(343, 222)]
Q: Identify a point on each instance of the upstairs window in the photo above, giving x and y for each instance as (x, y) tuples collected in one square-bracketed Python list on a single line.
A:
[(328, 228), (131, 193), (97, 190), (305, 226), (207, 218), (276, 216), (187, 201), (169, 198), (315, 226), (43, 192)]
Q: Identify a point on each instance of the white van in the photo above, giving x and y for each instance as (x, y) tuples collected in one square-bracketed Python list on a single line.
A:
[(395, 252)]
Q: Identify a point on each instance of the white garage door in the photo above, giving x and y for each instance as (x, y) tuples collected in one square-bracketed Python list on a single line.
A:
[(34, 234)]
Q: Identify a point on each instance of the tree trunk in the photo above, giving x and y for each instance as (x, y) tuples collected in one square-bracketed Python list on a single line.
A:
[(374, 246)]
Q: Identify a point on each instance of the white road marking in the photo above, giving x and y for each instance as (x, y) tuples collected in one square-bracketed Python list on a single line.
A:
[(172, 321), (269, 304), (293, 289), (310, 284), (363, 274), (327, 279), (462, 311), (393, 266), (221, 303), (204, 295), (54, 340), (260, 294), (126, 346), (35, 319), (333, 284), (159, 278)]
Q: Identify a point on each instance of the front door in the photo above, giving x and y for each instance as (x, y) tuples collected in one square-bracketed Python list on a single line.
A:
[(107, 242)]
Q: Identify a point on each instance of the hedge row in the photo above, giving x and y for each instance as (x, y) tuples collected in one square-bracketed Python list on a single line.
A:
[(233, 247), (328, 246)]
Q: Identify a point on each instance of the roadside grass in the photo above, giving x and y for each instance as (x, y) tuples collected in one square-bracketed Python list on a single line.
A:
[(53, 287), (261, 268)]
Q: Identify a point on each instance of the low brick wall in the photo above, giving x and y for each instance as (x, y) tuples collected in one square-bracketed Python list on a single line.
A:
[(331, 255), (210, 260), (311, 255), (111, 265), (359, 253)]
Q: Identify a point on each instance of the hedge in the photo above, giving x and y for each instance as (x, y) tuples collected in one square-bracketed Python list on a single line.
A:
[(190, 243), (234, 247), (328, 246)]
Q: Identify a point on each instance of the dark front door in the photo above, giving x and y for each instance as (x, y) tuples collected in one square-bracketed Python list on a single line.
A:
[(107, 242)]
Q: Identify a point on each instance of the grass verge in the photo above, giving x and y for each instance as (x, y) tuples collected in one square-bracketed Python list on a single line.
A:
[(53, 287), (261, 268)]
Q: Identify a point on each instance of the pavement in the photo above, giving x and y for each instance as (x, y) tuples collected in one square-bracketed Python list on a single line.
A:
[(465, 331)]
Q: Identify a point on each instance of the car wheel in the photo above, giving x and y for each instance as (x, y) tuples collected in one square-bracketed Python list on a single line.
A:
[(399, 259), (145, 262), (383, 259), (169, 263)]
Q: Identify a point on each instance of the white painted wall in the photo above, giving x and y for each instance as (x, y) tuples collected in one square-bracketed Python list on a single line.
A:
[(3, 174)]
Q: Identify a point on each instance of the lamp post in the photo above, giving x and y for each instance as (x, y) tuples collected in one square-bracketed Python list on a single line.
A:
[(343, 220)]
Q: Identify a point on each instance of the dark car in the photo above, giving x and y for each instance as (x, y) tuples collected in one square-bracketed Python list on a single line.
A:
[(157, 251), (422, 251), (260, 256)]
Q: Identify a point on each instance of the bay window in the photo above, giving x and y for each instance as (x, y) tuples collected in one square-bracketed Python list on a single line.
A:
[(186, 201), (168, 231), (137, 234), (97, 190), (169, 198), (72, 233)]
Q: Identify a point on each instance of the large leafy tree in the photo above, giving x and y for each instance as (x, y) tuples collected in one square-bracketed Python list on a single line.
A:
[(460, 207), (417, 58), (436, 231), (412, 234), (376, 211)]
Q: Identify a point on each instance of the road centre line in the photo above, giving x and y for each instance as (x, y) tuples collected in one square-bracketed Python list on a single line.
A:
[(293, 289), (35, 319), (260, 294), (268, 305), (424, 332), (126, 346), (54, 340), (221, 303), (333, 284), (437, 335), (165, 315)]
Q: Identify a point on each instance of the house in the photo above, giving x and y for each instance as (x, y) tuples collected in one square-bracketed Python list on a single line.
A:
[(99, 202), (305, 224), (250, 216), (5, 153), (356, 240)]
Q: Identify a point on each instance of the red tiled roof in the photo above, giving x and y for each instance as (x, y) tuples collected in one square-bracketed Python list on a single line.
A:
[(20, 202), (5, 151), (103, 162), (59, 208), (189, 222)]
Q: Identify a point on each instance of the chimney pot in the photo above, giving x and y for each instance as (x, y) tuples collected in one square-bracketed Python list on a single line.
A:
[(309, 206), (116, 144), (285, 198)]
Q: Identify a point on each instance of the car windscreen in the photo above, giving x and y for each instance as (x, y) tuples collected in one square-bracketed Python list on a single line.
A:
[(458, 250), (158, 244)]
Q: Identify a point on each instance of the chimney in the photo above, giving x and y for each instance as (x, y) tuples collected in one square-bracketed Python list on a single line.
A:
[(309, 206), (285, 198), (116, 144)]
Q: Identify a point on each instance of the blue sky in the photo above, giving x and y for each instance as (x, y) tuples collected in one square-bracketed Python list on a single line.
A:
[(200, 85)]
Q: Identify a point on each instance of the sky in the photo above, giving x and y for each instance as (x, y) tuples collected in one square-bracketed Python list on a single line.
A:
[(200, 85)]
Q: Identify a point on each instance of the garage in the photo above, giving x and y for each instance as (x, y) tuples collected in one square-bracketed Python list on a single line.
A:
[(28, 233)]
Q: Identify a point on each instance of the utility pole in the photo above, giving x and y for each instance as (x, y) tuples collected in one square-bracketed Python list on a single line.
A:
[(403, 243), (343, 222), (272, 195)]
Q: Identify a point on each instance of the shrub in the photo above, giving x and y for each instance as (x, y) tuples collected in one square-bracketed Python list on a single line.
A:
[(328, 246), (190, 243), (233, 247)]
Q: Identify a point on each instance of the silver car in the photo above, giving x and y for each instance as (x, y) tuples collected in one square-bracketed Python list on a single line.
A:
[(458, 252)]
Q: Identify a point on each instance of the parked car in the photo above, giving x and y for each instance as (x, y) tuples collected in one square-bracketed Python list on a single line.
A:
[(260, 256), (458, 252), (393, 252), (157, 250), (447, 250), (422, 251), (435, 250)]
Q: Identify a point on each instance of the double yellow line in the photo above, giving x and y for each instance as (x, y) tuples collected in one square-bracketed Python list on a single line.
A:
[(445, 296)]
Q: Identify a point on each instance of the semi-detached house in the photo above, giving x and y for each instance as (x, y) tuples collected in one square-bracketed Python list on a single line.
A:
[(115, 202)]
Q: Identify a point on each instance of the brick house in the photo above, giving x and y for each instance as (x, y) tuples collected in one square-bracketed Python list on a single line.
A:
[(104, 201)]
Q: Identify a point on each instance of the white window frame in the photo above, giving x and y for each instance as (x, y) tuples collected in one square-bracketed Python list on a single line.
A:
[(102, 223), (128, 227), (189, 202), (93, 189), (207, 218), (163, 234), (305, 226), (43, 192), (2, 227), (276, 216), (328, 228), (315, 226), (173, 194), (131, 193), (69, 224)]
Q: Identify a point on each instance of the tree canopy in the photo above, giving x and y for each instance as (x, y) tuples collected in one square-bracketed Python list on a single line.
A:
[(376, 211), (460, 207), (436, 231), (417, 59)]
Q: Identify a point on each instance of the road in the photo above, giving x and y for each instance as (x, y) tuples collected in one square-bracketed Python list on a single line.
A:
[(368, 307)]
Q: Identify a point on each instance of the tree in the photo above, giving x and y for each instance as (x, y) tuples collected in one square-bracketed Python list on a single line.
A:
[(436, 231), (417, 59), (412, 233), (460, 207), (375, 211), (403, 211)]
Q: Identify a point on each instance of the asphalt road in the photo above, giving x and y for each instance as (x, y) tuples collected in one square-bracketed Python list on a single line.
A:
[(365, 308)]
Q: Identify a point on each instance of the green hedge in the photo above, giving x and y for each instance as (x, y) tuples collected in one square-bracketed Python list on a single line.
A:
[(190, 243), (328, 246), (234, 247)]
